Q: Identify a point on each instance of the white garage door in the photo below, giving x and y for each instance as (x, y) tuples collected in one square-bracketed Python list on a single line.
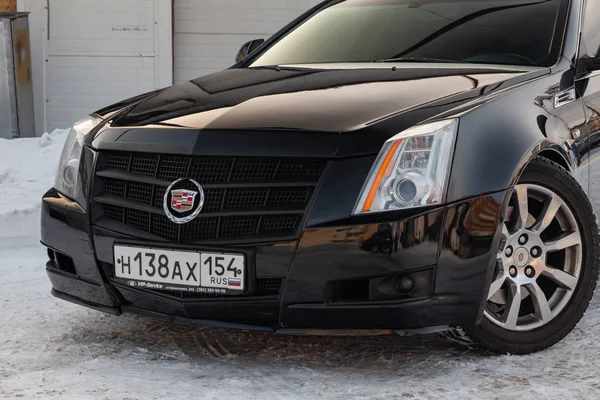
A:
[(100, 52), (209, 33)]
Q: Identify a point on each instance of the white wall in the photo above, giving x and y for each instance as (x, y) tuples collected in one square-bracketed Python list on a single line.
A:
[(90, 58), (96, 53), (209, 33)]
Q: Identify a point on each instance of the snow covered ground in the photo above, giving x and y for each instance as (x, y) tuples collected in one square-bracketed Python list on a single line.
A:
[(27, 168), (51, 349)]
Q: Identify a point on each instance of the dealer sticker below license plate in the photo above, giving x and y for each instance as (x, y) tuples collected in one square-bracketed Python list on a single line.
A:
[(203, 272)]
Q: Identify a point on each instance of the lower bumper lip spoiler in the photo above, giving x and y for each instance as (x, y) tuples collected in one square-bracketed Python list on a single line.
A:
[(224, 325), (76, 300), (363, 332)]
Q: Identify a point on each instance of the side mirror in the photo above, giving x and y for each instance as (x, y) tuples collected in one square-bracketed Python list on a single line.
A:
[(591, 63), (248, 48)]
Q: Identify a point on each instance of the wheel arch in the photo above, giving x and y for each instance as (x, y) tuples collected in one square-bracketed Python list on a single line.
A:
[(554, 154), (548, 151)]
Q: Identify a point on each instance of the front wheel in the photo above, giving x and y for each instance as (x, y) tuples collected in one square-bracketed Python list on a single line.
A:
[(547, 264)]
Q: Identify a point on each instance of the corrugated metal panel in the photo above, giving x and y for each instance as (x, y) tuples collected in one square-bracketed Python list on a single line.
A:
[(209, 33), (80, 85), (100, 51), (100, 27), (8, 111), (16, 90)]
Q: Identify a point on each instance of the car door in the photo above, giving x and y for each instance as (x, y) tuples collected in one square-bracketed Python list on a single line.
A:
[(588, 84)]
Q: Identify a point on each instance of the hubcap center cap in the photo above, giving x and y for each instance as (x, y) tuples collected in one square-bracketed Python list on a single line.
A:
[(521, 257)]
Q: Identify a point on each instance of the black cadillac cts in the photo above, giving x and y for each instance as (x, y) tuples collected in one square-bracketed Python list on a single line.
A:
[(376, 167)]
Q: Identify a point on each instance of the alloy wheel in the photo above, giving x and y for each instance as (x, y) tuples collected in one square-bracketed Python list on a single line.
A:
[(539, 260)]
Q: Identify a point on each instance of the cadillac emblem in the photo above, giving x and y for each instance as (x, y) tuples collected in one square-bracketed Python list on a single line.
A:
[(183, 201)]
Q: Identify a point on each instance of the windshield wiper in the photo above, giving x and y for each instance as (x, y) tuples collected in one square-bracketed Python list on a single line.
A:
[(418, 60), (279, 68)]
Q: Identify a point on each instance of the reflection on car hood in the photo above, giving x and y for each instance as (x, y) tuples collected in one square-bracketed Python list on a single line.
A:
[(303, 98)]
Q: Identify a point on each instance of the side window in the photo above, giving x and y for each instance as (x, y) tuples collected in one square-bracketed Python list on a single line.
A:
[(591, 34)]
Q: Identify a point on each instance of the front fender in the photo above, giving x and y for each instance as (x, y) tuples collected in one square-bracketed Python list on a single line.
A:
[(498, 138)]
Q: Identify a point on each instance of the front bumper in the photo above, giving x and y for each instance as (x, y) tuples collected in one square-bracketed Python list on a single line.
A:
[(341, 277)]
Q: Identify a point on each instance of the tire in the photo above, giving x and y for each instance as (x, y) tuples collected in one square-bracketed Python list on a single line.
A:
[(500, 334)]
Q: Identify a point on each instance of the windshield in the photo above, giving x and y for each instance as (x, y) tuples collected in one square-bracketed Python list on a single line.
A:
[(511, 32)]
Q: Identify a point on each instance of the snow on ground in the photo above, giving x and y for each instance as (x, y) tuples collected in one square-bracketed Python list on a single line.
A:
[(27, 169), (51, 349)]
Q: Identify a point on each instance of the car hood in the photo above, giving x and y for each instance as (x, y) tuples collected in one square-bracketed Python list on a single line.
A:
[(326, 99)]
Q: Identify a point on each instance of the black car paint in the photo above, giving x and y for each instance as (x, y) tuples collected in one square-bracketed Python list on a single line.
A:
[(507, 116)]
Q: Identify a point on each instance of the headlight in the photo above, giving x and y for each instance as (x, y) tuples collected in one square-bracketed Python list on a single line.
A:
[(411, 170), (67, 177)]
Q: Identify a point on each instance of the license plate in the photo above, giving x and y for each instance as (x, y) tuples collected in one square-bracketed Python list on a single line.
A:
[(204, 272)]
